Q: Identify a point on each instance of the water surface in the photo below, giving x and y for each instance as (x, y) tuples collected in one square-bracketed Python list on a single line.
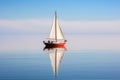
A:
[(88, 57)]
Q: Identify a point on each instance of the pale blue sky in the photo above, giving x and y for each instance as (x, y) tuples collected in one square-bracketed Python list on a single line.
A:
[(67, 9), (21, 11)]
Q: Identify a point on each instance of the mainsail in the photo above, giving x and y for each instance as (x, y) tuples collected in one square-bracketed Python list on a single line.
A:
[(56, 33)]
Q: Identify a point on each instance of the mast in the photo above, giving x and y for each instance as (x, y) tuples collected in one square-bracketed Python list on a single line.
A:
[(55, 26)]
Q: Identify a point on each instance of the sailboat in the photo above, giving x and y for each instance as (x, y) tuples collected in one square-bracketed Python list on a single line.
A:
[(55, 55), (56, 37)]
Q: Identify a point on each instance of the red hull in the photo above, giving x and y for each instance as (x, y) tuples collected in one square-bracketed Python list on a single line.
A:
[(55, 45)]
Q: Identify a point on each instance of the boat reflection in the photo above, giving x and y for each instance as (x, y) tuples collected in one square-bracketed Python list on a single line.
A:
[(55, 55)]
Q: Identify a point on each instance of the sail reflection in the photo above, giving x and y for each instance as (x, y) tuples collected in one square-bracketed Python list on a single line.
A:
[(55, 55)]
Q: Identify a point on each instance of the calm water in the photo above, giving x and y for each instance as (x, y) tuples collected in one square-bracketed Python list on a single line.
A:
[(87, 57)]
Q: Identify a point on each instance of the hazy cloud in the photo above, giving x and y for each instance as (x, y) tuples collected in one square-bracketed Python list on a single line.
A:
[(44, 25)]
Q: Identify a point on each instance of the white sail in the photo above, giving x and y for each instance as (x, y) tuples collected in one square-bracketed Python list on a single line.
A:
[(52, 32), (56, 33), (59, 32), (55, 58)]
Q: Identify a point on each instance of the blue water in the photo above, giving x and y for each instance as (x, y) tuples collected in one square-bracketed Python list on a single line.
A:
[(33, 63)]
